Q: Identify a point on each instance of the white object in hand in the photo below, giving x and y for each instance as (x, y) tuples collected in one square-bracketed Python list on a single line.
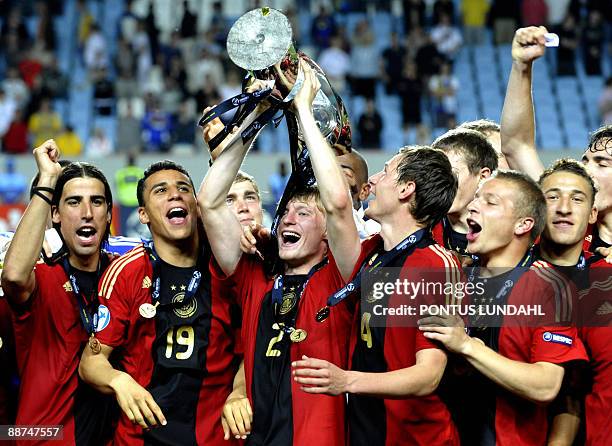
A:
[(552, 39)]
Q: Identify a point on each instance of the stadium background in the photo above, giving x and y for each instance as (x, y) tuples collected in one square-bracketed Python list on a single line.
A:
[(138, 83)]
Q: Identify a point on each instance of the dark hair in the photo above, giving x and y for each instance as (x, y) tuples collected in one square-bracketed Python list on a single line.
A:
[(471, 145), (34, 181), (530, 200), (603, 132), (74, 170), (156, 167), (436, 184), (484, 126), (571, 166)]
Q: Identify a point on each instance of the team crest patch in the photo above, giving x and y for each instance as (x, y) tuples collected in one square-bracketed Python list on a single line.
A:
[(67, 287), (557, 338), (187, 309), (102, 318), (146, 282)]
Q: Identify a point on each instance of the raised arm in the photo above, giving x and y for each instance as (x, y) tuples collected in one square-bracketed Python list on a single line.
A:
[(222, 227), (517, 121), (341, 230), (18, 280)]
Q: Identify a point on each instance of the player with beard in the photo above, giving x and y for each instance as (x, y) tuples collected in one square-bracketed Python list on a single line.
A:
[(279, 306), (518, 130), (473, 160), (515, 366), (54, 304), (169, 326)]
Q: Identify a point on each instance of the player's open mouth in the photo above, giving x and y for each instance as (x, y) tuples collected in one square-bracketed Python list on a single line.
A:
[(473, 230), (290, 238), (86, 234), (177, 215)]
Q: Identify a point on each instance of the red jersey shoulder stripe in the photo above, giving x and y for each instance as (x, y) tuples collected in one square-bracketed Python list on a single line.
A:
[(108, 282)]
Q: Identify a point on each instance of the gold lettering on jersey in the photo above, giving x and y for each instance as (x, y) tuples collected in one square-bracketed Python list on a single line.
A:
[(366, 333), (187, 309), (146, 282), (179, 337), (273, 352), (67, 287), (289, 300)]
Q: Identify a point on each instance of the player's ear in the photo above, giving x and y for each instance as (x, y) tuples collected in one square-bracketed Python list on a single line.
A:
[(143, 216), (55, 218), (524, 225), (406, 190)]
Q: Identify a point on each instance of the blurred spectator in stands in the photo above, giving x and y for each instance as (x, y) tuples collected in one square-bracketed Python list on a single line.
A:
[(208, 66), (126, 85), (414, 14), (126, 180), (45, 29), (393, 64), (171, 96), (142, 50), (336, 63), (428, 59), (44, 124), (592, 41), (154, 81), (86, 21), (170, 51), (30, 67), (605, 103), (128, 22), (568, 42), (474, 13), (504, 17), (14, 30), (128, 130), (12, 184), (207, 95), (370, 126), (125, 61), (443, 87), (104, 94), (69, 142), (189, 23), (557, 11), (179, 74), (15, 139), (98, 144), (96, 51), (11, 50), (278, 181), (441, 8), (156, 130), (365, 61), (294, 21), (15, 87), (323, 28), (184, 131), (54, 83), (446, 37), (232, 85), (410, 88), (218, 24), (7, 111), (534, 13), (414, 41), (152, 30)]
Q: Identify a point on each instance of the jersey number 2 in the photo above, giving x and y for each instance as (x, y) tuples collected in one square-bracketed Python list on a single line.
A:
[(184, 337)]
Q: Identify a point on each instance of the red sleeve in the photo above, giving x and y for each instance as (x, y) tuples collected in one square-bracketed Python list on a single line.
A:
[(248, 268), (557, 345), (118, 299)]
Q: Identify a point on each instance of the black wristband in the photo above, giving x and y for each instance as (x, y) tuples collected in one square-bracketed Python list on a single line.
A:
[(38, 191)]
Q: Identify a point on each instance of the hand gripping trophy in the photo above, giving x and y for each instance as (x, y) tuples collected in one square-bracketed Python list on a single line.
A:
[(261, 43)]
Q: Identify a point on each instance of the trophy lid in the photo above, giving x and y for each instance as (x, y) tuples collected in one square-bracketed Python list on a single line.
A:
[(259, 39)]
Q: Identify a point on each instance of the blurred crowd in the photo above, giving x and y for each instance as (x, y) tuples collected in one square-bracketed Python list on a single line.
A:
[(155, 83)]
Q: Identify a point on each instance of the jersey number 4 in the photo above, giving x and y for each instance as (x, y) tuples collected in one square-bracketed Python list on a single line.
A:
[(183, 339), (366, 333)]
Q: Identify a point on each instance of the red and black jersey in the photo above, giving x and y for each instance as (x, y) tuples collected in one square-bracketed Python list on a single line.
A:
[(49, 338), (184, 356), (596, 332), (592, 241), (493, 415), (282, 413), (444, 235), (387, 347)]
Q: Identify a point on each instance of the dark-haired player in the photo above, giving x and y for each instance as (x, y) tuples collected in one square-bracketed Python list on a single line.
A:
[(517, 368), (54, 305), (473, 160), (492, 131), (171, 330)]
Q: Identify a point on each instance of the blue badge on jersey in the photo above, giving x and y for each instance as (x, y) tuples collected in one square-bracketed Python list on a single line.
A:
[(102, 318), (557, 338)]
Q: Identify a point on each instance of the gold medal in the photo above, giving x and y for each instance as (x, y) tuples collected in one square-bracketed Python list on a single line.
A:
[(94, 344), (148, 310), (298, 335)]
